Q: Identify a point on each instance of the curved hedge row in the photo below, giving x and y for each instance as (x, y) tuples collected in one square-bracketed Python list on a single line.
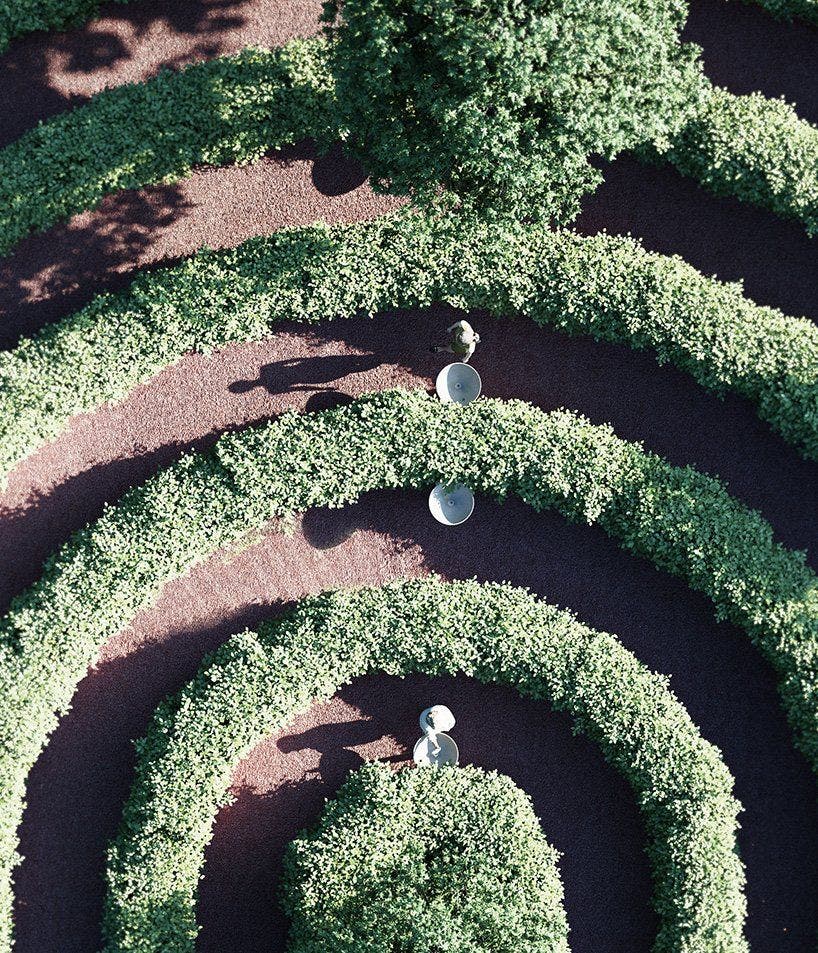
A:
[(236, 108), (255, 683), (683, 521), (607, 287), (18, 17), (790, 9), (230, 109), (453, 855), (755, 149)]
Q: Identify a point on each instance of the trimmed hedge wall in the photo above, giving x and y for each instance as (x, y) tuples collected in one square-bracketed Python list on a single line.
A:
[(256, 683), (607, 287), (453, 859), (683, 521), (236, 108), (18, 17), (230, 109), (790, 9), (755, 149)]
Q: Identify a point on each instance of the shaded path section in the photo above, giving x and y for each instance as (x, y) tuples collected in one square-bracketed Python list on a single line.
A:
[(54, 273), (45, 73), (746, 50)]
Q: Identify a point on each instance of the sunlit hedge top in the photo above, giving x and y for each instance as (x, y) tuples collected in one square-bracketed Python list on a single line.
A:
[(421, 860), (502, 101)]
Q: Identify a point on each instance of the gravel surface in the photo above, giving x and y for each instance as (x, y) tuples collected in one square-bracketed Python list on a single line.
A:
[(79, 784)]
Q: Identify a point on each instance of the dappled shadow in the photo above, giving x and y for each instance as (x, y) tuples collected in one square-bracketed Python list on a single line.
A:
[(54, 273), (45, 73)]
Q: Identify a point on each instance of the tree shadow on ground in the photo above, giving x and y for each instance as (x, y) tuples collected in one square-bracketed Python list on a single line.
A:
[(54, 273), (27, 69), (51, 274)]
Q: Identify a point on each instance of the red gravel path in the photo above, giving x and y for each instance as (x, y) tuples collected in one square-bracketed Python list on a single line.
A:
[(79, 784)]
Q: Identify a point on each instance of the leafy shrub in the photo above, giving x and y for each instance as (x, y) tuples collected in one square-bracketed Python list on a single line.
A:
[(604, 286), (237, 108), (18, 17), (502, 102), (754, 148), (413, 860), (257, 682), (683, 521), (790, 9), (231, 109)]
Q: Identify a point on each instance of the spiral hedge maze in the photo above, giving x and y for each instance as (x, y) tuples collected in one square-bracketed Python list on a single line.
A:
[(495, 633), (235, 109), (457, 854)]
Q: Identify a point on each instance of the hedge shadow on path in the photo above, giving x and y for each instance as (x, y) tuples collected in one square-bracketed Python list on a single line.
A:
[(45, 73)]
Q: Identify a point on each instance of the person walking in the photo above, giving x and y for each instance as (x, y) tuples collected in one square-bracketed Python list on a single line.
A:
[(463, 341)]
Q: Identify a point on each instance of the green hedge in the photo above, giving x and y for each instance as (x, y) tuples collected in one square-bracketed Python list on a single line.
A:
[(236, 108), (414, 860), (607, 287), (683, 521), (256, 683), (790, 9), (18, 17), (756, 149), (231, 109)]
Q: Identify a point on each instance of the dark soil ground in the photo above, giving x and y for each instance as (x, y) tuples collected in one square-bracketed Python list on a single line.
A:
[(78, 786)]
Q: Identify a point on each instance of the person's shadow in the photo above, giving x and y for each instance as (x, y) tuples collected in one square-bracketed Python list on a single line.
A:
[(334, 743), (305, 373)]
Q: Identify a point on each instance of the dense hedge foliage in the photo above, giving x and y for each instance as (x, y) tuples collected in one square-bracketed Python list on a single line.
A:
[(256, 683), (683, 521), (414, 860), (756, 149), (18, 17), (604, 286), (231, 109), (502, 102), (790, 9), (236, 108)]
